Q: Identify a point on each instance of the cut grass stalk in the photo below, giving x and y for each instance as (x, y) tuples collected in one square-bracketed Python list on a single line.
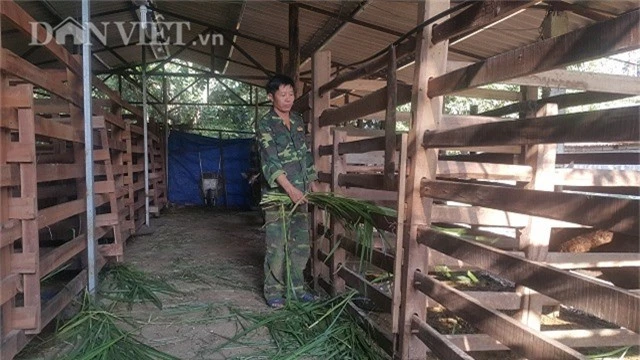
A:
[(309, 330), (122, 283), (96, 333)]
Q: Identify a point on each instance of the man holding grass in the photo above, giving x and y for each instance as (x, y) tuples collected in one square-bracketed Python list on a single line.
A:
[(287, 166)]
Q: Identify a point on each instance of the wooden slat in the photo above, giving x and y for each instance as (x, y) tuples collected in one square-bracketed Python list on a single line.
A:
[(16, 66), (24, 262), (473, 170), (592, 338), (365, 288), (474, 215), (19, 152), (9, 287), (437, 343), (592, 260), (490, 94), (366, 181), (596, 177), (606, 302), (514, 335), (450, 122), (595, 41), (61, 254), (611, 125), (22, 208), (476, 17), (60, 301), (563, 101), (619, 215), (374, 102), (378, 258), (368, 68), (12, 342), (578, 80), (380, 336)]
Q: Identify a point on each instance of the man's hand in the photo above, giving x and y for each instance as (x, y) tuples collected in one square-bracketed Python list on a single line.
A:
[(296, 195), (314, 186)]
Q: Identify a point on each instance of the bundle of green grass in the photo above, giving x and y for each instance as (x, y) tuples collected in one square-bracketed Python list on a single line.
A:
[(324, 329)]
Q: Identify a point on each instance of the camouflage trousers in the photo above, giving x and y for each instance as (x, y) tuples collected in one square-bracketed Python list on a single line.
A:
[(279, 251)]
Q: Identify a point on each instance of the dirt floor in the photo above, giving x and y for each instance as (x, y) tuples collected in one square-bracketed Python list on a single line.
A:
[(215, 259)]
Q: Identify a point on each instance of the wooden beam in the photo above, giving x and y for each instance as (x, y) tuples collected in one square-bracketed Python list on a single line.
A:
[(570, 261), (598, 40), (366, 181), (562, 101), (378, 258), (355, 281), (474, 215), (619, 215), (613, 125), (604, 301), (574, 338), (380, 336), (369, 104), (478, 16), (370, 67), (514, 335), (489, 94), (60, 301), (597, 177), (586, 81), (473, 170)]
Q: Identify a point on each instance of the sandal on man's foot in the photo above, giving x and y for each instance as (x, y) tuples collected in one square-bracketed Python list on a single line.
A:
[(276, 303), (307, 297)]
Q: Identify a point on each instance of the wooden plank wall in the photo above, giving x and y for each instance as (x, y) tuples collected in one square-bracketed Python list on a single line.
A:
[(42, 192), (490, 173)]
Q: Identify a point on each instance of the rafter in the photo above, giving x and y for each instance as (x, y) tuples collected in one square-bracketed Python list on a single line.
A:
[(331, 28)]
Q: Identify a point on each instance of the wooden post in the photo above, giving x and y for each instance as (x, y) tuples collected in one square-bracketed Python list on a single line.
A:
[(431, 60), (279, 60), (534, 238), (321, 66), (6, 308), (294, 47), (338, 164), (390, 123), (28, 317), (397, 268)]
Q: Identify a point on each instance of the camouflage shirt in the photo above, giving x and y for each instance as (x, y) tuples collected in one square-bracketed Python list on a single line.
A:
[(284, 151)]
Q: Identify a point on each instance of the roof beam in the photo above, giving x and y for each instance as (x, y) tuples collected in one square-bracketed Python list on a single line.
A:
[(223, 31), (579, 10), (249, 57), (330, 29), (478, 17), (349, 19), (601, 39)]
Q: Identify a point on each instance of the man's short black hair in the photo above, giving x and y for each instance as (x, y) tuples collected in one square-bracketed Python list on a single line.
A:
[(278, 80)]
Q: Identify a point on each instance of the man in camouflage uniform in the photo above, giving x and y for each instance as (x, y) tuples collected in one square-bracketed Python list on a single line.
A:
[(287, 166)]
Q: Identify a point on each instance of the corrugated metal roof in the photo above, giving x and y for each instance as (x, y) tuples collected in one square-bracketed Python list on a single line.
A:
[(264, 24)]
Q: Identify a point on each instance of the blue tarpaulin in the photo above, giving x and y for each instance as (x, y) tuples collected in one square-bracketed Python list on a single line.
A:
[(190, 155)]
